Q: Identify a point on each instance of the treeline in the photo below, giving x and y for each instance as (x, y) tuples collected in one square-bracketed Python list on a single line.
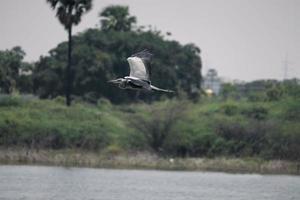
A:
[(98, 55), (261, 90)]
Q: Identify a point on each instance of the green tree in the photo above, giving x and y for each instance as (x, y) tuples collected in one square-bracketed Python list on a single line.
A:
[(99, 56), (229, 90), (292, 87), (69, 13), (274, 93), (116, 18), (11, 64)]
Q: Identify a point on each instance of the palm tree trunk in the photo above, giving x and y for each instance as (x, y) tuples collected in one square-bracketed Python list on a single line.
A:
[(68, 69)]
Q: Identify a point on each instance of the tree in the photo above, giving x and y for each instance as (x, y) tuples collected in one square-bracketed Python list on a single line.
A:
[(292, 87), (69, 13), (229, 90), (10, 65), (99, 56), (117, 18)]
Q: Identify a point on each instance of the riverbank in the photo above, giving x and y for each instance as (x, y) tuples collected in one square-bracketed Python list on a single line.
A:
[(208, 128), (145, 160)]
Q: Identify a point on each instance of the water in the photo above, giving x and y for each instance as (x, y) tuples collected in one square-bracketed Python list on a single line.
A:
[(52, 183)]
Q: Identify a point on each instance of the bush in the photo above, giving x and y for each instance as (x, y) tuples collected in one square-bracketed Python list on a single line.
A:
[(256, 112), (284, 143), (292, 111), (229, 109), (256, 96), (10, 100), (274, 93), (157, 124), (249, 139), (50, 124), (204, 145), (9, 133), (60, 99)]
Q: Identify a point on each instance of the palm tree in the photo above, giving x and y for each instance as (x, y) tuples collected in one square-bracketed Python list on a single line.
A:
[(116, 18), (69, 13)]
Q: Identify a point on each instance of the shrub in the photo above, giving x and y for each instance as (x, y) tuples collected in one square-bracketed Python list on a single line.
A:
[(256, 96), (10, 100), (158, 123), (256, 112), (274, 94), (202, 144), (248, 139), (284, 142), (60, 99), (229, 109), (292, 111), (9, 132)]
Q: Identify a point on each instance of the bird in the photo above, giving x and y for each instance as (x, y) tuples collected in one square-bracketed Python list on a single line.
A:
[(139, 76)]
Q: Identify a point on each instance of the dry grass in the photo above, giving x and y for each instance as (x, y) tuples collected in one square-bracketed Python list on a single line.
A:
[(145, 160)]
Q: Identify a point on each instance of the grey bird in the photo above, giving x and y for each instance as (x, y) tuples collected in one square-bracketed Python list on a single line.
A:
[(139, 77)]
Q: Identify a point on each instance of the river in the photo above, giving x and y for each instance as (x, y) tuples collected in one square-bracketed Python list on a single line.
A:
[(61, 183)]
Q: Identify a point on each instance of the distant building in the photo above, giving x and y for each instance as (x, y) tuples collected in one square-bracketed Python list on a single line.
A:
[(211, 82)]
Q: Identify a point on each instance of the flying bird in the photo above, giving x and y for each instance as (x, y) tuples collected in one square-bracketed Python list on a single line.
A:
[(139, 77)]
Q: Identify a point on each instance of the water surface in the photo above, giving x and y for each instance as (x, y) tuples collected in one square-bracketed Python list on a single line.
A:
[(52, 183)]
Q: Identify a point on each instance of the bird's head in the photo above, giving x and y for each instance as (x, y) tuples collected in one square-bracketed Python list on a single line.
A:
[(120, 82)]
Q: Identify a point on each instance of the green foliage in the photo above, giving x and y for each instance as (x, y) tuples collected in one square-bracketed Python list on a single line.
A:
[(292, 110), (13, 71), (256, 112), (100, 56), (229, 91), (229, 109), (176, 128), (292, 88), (256, 96), (116, 18), (46, 124), (156, 122), (274, 94), (8, 100), (262, 90), (69, 12)]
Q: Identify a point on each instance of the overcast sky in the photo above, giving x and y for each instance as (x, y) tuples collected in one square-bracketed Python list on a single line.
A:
[(241, 39)]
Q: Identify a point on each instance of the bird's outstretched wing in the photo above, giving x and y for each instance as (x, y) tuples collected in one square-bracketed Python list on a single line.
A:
[(139, 65)]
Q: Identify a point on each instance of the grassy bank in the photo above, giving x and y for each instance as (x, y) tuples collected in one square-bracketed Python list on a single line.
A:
[(144, 160), (171, 128)]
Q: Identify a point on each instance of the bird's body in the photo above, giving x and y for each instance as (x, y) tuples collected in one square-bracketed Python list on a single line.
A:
[(139, 77)]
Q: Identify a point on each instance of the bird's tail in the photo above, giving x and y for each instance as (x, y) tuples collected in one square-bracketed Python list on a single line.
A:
[(160, 90)]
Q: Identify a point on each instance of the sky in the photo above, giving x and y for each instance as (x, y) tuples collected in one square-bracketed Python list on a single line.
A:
[(242, 39)]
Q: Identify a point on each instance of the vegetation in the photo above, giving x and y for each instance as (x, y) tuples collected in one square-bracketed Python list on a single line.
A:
[(13, 71), (69, 13), (117, 18), (209, 128), (99, 55)]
